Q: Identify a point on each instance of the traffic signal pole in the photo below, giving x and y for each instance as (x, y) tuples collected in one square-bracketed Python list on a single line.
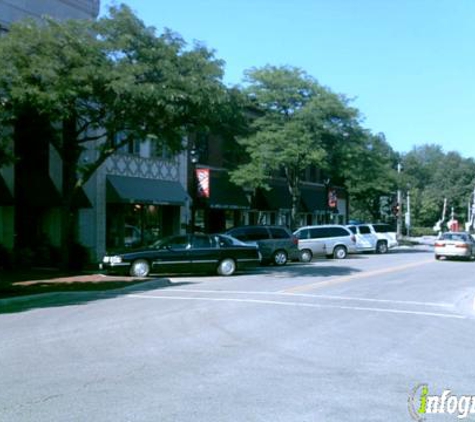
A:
[(399, 204)]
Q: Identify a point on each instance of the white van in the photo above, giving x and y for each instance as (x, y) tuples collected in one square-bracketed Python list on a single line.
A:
[(331, 240)]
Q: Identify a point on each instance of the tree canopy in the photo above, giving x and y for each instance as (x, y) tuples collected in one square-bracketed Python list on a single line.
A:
[(110, 76), (295, 123), (91, 80), (430, 174)]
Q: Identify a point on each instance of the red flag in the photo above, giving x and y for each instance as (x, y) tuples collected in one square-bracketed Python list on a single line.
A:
[(202, 176)]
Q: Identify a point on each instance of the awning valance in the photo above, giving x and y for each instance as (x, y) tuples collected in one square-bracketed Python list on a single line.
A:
[(224, 194), (313, 198), (136, 190)]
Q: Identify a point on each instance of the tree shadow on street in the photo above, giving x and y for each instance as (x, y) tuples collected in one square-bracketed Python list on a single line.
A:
[(47, 294)]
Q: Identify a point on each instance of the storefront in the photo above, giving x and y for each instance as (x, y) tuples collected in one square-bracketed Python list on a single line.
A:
[(139, 211), (222, 206)]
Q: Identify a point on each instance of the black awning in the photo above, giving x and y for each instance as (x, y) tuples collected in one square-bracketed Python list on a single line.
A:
[(275, 198), (314, 198), (136, 190), (6, 198), (224, 194)]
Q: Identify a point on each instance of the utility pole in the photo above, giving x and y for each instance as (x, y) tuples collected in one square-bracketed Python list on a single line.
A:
[(399, 203)]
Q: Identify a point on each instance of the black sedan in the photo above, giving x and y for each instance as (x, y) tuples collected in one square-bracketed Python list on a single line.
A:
[(186, 254)]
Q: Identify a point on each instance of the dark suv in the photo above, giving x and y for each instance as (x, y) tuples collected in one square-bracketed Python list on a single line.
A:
[(277, 244)]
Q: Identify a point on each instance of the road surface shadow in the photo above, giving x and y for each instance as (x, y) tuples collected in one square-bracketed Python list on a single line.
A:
[(79, 293)]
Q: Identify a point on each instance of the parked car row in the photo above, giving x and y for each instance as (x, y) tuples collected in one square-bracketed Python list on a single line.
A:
[(248, 246)]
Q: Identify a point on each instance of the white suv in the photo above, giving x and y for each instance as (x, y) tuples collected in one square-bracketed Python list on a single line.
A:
[(377, 238)]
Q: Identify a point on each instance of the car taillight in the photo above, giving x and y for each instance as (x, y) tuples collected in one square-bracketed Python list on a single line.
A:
[(295, 240), (353, 238), (463, 246), (439, 244)]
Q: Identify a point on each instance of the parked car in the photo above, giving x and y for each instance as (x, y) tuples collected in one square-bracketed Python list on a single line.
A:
[(277, 244), (186, 253), (366, 240), (454, 244), (332, 241), (377, 237)]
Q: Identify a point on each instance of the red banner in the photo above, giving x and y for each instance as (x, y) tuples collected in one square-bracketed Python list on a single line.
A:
[(332, 199), (202, 177)]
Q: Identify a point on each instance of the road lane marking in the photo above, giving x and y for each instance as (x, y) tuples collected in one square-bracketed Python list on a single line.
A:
[(348, 278), (316, 296), (299, 304)]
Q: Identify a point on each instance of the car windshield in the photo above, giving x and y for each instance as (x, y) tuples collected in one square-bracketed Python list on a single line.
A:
[(226, 240)]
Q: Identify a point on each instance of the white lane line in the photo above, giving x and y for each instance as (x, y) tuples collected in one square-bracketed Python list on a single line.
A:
[(329, 297), (298, 304)]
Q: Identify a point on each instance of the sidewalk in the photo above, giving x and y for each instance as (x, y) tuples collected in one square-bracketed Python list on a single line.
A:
[(37, 281)]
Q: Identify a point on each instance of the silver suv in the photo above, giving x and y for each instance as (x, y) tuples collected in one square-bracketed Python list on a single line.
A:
[(332, 241), (377, 238)]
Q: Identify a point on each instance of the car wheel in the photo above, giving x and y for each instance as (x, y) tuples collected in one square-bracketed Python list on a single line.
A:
[(306, 255), (140, 268), (227, 267), (340, 252), (279, 258), (437, 257), (382, 247)]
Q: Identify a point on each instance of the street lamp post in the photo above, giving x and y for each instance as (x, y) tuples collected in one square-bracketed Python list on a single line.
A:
[(326, 183), (194, 157)]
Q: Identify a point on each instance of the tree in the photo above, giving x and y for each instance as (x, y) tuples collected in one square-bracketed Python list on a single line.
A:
[(292, 116), (434, 175), (92, 80), (370, 175)]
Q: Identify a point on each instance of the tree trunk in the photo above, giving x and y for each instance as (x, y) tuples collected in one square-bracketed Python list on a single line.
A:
[(293, 182), (70, 155)]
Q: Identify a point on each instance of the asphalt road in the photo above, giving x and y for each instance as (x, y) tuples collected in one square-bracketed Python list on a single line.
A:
[(326, 341)]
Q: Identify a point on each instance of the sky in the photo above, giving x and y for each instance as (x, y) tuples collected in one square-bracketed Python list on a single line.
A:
[(407, 65)]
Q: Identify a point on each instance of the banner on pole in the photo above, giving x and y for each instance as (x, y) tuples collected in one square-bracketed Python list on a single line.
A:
[(332, 199), (202, 177)]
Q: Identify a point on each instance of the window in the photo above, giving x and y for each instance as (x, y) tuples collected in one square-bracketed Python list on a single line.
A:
[(303, 234), (201, 242), (352, 229), (337, 232), (131, 147), (365, 230), (279, 233), (257, 233), (318, 233), (177, 242), (240, 234)]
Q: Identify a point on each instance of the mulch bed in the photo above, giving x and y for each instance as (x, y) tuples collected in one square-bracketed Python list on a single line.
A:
[(43, 281)]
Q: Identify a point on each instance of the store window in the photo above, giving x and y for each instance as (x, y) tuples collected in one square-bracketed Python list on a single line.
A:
[(133, 225)]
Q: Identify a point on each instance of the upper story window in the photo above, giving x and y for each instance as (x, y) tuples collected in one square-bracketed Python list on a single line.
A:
[(132, 146)]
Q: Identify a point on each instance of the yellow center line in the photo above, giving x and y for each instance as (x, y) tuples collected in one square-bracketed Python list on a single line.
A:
[(345, 279)]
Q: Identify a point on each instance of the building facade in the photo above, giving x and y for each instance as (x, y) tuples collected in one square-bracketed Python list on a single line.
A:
[(140, 193), (137, 195)]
